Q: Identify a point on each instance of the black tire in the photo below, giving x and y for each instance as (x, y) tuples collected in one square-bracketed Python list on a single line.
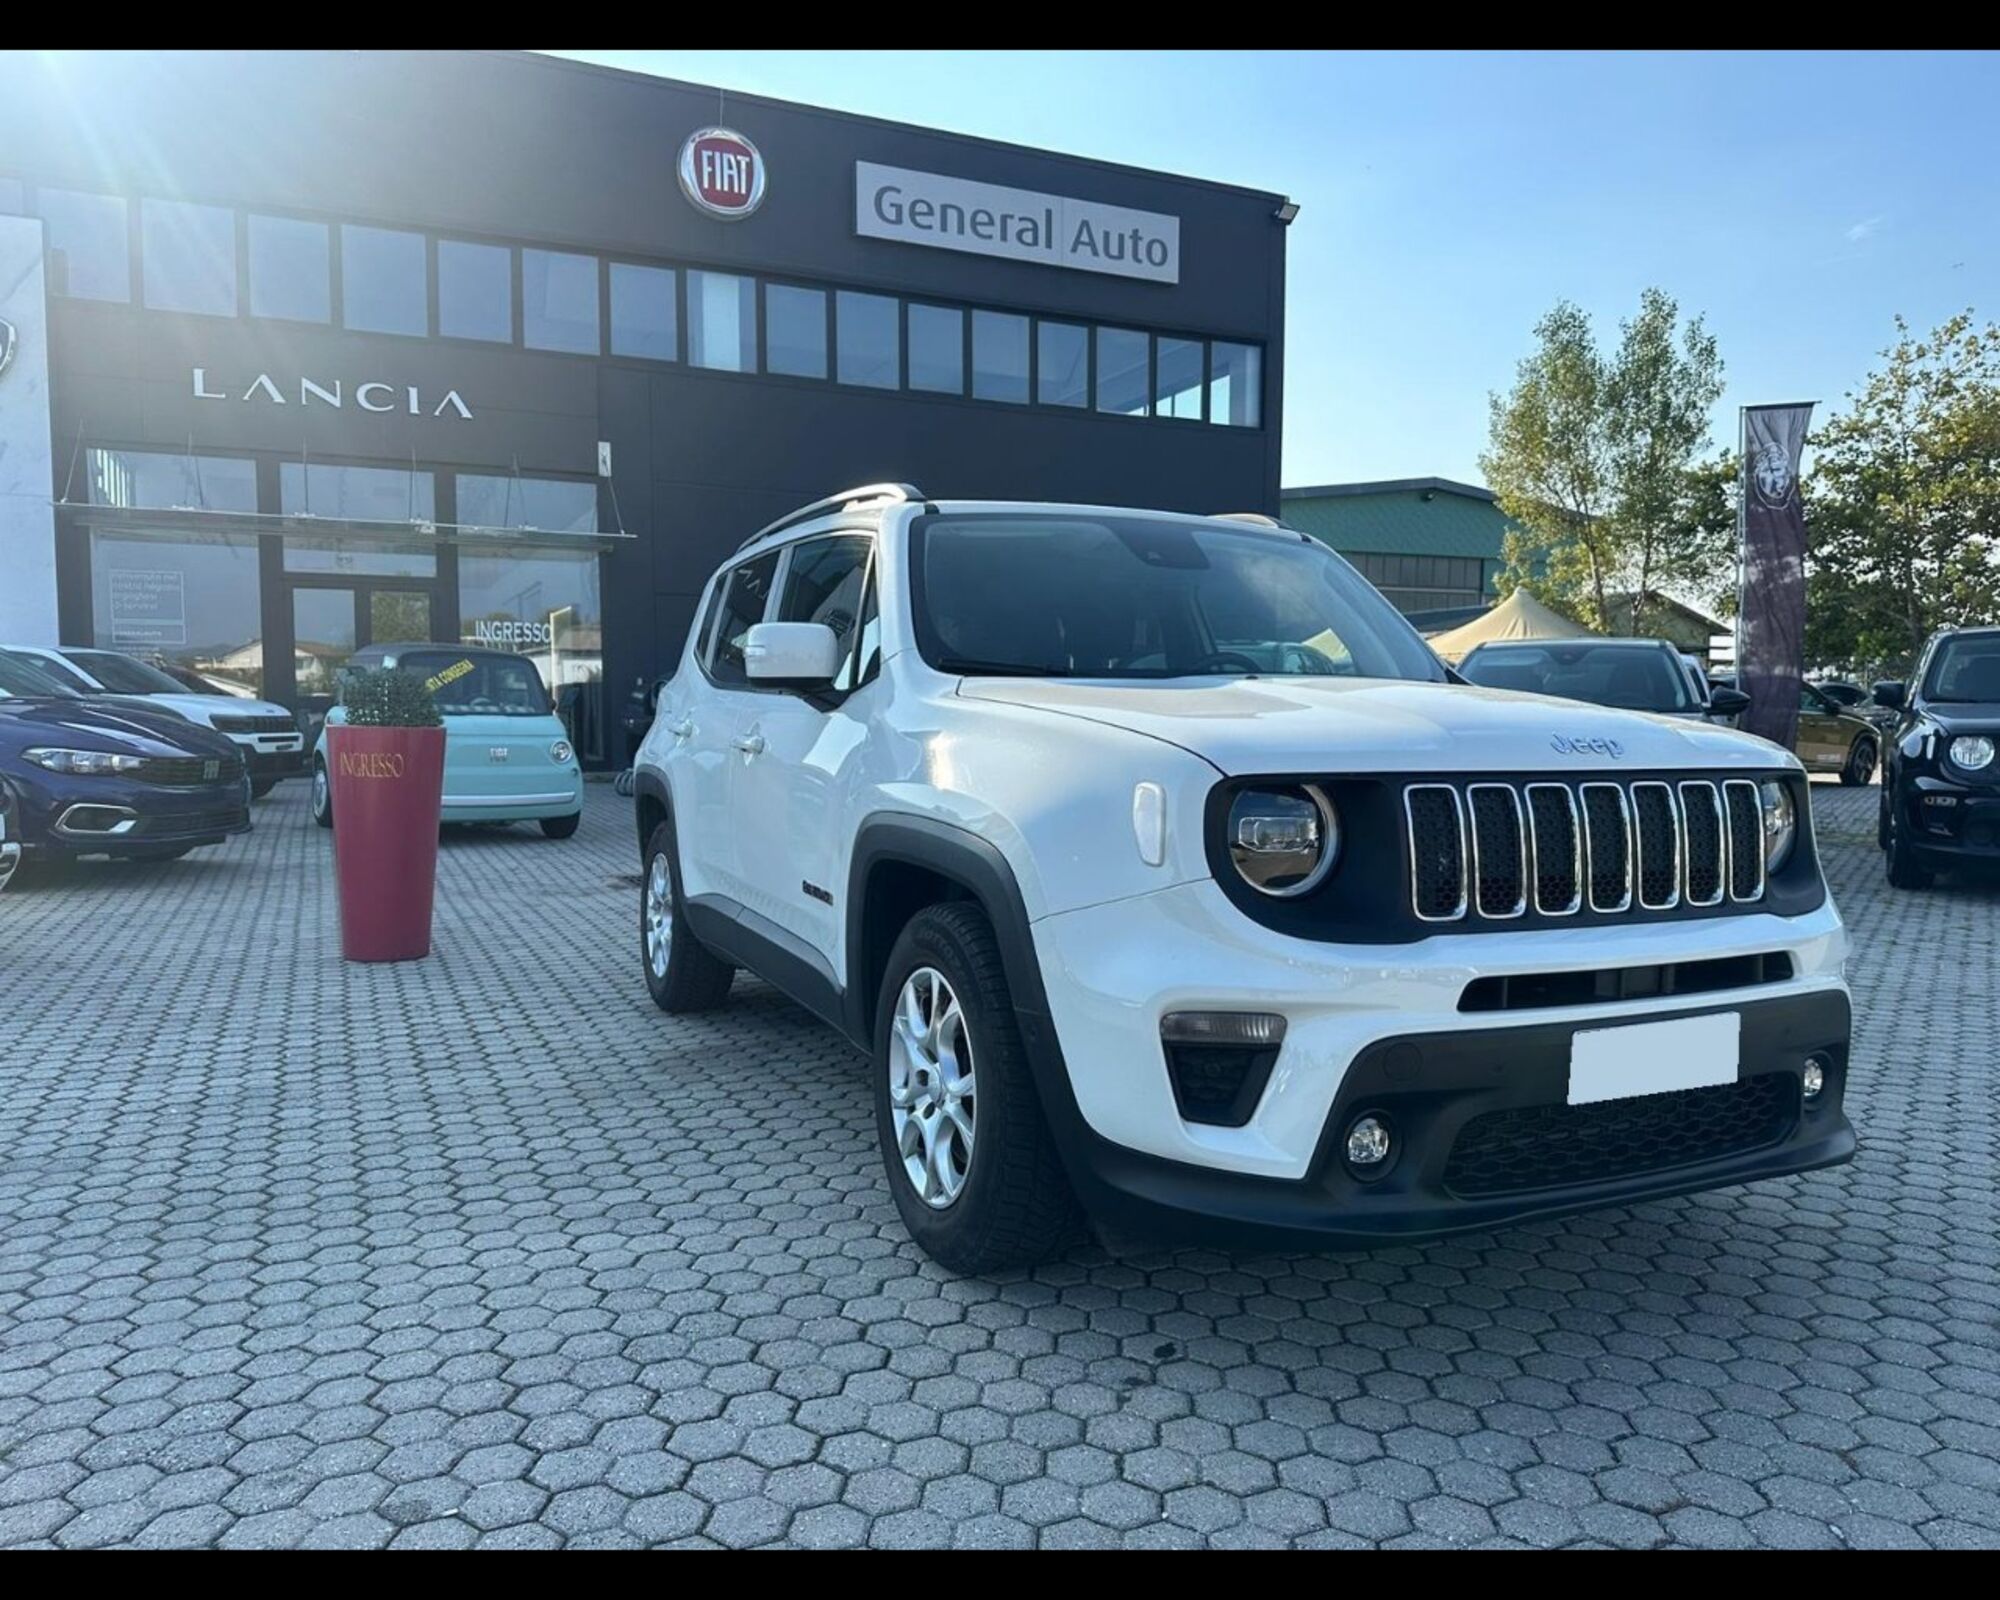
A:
[(560, 827), (259, 787), (322, 794), (1860, 765), (1904, 872), (1015, 1207), (693, 977)]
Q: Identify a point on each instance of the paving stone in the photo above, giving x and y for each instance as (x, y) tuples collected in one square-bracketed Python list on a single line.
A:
[(485, 1250)]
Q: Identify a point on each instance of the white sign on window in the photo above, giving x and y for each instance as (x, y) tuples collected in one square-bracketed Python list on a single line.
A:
[(147, 606), (987, 219)]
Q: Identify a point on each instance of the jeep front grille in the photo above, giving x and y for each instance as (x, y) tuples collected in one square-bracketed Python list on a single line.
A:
[(1494, 851)]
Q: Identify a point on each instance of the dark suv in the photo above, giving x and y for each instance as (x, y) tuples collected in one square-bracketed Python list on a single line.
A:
[(1941, 764)]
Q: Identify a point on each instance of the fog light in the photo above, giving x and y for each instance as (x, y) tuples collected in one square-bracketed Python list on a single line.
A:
[(1813, 1080), (1367, 1142)]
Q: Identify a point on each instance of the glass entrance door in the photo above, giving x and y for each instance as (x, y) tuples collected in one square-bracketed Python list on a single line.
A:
[(330, 621)]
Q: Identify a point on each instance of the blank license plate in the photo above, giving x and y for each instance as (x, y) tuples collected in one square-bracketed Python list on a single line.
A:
[(1653, 1057)]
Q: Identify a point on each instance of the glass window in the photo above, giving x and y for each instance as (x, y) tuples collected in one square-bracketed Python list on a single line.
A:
[(190, 602), (187, 255), (359, 494), (549, 505), (289, 274), (868, 339), (644, 319), (322, 639), (1177, 384), (124, 674), (1235, 384), (748, 588), (829, 582), (1053, 595), (89, 242), (722, 321), (559, 301), (362, 560), (382, 281), (1122, 379), (475, 291), (479, 683), (795, 330), (1631, 677), (999, 357), (1062, 364), (170, 482), (937, 349), (546, 605)]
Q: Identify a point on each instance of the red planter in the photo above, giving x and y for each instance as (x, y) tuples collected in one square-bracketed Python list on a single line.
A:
[(387, 787)]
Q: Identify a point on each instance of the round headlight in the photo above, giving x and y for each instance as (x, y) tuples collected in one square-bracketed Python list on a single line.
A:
[(1973, 752), (1283, 842), (560, 752), (1781, 823)]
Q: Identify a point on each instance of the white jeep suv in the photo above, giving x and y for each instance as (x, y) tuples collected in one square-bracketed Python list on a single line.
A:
[(1169, 880)]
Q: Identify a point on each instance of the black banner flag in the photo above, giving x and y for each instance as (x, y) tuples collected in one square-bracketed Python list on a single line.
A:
[(1771, 611)]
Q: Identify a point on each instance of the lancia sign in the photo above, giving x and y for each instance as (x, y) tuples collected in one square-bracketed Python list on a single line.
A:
[(722, 173)]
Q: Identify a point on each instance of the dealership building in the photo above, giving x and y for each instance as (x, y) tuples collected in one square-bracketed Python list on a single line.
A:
[(300, 352)]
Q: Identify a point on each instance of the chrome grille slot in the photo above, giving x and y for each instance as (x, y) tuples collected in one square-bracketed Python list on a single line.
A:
[(1437, 851), (1746, 839), (1499, 850), (1702, 844), (1656, 833), (1607, 824), (1556, 840)]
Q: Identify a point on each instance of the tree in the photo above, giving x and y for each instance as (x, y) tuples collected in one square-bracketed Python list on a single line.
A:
[(1904, 507), (1598, 461)]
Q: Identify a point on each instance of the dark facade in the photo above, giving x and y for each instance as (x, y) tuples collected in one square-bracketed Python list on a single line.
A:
[(277, 213)]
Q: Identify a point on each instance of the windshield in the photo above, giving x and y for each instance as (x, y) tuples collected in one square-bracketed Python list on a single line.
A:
[(123, 675), (1967, 669), (57, 671), (1604, 674), (20, 676), (476, 685), (1128, 597)]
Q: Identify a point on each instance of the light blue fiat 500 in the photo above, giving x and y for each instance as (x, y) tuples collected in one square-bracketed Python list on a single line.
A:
[(507, 757)]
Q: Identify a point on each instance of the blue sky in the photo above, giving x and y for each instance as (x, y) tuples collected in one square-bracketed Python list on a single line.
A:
[(1448, 200)]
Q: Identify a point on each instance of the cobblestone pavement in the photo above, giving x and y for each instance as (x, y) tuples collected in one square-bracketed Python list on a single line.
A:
[(485, 1250)]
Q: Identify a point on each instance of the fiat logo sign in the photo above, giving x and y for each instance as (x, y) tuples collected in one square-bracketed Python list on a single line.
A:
[(722, 173)]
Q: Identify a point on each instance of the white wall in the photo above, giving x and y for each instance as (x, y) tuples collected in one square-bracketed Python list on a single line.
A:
[(27, 521)]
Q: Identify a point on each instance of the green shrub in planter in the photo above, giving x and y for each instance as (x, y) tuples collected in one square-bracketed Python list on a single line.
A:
[(389, 698)]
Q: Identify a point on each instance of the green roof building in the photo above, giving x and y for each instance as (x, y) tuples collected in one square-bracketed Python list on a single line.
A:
[(1429, 544)]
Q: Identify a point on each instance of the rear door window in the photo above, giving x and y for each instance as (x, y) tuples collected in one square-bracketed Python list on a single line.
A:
[(831, 581), (746, 594)]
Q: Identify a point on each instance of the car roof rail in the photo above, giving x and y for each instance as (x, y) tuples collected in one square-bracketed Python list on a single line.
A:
[(846, 500), (1257, 517)]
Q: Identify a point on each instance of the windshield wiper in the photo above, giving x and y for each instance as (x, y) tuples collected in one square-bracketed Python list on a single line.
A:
[(998, 669)]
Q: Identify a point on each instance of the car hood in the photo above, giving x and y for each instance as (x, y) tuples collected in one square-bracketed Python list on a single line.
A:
[(1317, 724), (101, 725), (204, 708), (1969, 716)]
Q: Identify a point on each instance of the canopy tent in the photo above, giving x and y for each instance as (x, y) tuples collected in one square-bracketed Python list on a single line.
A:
[(1519, 616)]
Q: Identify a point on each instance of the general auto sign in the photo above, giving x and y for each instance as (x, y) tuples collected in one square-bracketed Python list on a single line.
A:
[(987, 219), (722, 173)]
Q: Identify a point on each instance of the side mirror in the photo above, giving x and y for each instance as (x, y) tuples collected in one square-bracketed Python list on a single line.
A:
[(803, 655), (1889, 692), (1727, 702)]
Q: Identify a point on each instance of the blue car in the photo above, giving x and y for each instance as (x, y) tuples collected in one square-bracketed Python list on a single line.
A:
[(97, 777), (507, 756)]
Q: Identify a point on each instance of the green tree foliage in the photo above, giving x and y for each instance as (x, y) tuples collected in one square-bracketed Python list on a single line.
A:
[(1904, 501), (1598, 459), (388, 698)]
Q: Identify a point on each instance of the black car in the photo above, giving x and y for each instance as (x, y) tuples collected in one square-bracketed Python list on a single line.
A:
[(99, 777), (1941, 766)]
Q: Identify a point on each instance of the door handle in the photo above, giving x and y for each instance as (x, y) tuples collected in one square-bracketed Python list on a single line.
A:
[(751, 744), (684, 729)]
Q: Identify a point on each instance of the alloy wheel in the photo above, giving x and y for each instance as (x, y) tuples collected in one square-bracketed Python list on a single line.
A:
[(659, 916), (931, 1089)]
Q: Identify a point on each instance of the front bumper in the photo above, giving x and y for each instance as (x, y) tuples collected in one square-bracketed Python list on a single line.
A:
[(109, 816), (1109, 974), (1952, 824), (1484, 1138)]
